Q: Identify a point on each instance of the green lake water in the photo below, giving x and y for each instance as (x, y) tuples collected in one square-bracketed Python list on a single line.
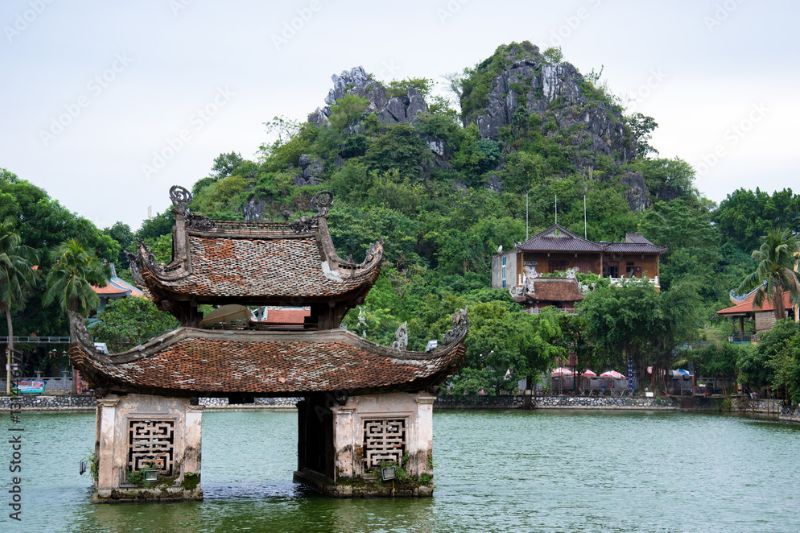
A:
[(495, 471)]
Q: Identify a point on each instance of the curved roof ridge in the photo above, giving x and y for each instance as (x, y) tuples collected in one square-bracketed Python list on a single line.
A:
[(215, 260), (191, 361)]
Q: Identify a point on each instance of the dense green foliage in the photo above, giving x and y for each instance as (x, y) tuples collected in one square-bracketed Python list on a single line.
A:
[(443, 199), (775, 362), (774, 273), (69, 281), (130, 321)]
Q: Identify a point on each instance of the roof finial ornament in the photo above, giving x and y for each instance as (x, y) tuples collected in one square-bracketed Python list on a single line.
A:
[(181, 198), (460, 323), (322, 201), (401, 337)]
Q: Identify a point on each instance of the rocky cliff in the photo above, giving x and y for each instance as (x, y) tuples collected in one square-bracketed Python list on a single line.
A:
[(390, 109), (518, 81)]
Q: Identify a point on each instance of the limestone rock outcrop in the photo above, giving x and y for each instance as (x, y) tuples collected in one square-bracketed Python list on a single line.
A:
[(390, 109), (528, 81)]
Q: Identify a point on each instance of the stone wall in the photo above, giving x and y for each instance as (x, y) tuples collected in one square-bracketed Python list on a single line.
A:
[(50, 403), (584, 402), (87, 402), (258, 403), (774, 409), (473, 401)]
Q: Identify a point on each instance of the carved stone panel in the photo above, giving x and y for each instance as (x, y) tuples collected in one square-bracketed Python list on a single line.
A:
[(151, 444), (384, 440)]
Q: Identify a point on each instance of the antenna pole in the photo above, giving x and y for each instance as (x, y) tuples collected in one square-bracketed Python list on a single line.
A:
[(584, 218), (555, 207), (526, 215)]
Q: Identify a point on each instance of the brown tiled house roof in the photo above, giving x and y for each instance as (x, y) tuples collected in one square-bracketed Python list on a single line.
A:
[(557, 238), (217, 261), (191, 362)]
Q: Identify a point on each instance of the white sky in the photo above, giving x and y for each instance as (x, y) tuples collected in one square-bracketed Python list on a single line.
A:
[(105, 104)]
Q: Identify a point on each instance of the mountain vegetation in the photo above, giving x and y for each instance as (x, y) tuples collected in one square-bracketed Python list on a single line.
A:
[(445, 186)]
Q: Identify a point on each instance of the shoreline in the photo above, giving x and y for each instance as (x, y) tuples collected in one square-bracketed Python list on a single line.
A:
[(772, 410)]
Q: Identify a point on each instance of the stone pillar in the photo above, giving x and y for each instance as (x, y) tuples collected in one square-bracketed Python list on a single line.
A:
[(106, 479), (140, 436), (423, 445), (375, 431), (344, 444)]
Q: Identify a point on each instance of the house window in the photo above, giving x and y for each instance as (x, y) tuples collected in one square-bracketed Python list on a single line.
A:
[(503, 272), (611, 271), (558, 265), (630, 270)]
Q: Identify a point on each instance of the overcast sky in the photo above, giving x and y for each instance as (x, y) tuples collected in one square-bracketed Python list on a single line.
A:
[(106, 104)]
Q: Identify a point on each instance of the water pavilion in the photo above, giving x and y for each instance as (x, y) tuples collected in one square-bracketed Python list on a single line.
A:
[(366, 413)]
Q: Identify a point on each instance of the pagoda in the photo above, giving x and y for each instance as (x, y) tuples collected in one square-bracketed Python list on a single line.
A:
[(365, 418)]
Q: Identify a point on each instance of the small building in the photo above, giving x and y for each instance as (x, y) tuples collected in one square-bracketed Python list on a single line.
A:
[(748, 319), (115, 288), (524, 269)]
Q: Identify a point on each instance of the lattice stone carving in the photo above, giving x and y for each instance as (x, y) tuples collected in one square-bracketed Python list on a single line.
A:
[(151, 444), (384, 440)]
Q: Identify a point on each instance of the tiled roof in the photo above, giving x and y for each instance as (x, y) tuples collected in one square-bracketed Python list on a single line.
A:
[(557, 238), (190, 361), (286, 316), (117, 287), (218, 261), (291, 267), (747, 305), (109, 290), (555, 290)]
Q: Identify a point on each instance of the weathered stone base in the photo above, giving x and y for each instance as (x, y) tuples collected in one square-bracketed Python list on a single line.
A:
[(345, 443), (366, 487), (139, 436), (155, 493)]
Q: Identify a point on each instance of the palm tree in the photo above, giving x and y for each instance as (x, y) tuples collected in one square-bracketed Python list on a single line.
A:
[(774, 273), (70, 280), (17, 277)]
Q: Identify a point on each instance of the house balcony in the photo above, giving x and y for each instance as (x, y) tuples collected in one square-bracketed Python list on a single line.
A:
[(616, 282)]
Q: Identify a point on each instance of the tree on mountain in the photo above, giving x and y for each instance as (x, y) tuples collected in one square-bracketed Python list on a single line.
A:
[(17, 277), (69, 282), (774, 273)]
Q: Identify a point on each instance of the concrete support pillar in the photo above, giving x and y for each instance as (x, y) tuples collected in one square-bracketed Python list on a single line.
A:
[(141, 437)]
